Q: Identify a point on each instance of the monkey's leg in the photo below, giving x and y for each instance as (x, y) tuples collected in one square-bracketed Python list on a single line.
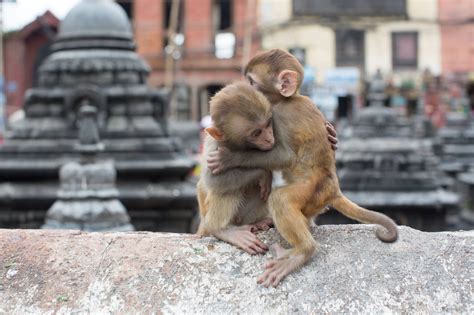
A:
[(201, 196), (279, 251), (285, 205), (255, 212)]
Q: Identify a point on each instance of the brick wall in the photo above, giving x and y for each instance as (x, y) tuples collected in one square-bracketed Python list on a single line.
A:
[(198, 66), (15, 73), (148, 27), (457, 35), (22, 55)]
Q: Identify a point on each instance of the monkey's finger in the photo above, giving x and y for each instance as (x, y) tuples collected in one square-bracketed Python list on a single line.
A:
[(244, 245), (334, 147), (217, 170), (211, 166), (270, 279), (256, 245), (278, 278), (264, 193), (330, 128), (258, 242), (260, 247), (246, 227), (249, 250), (269, 264), (263, 278), (256, 248), (264, 227), (256, 228), (332, 139), (212, 163)]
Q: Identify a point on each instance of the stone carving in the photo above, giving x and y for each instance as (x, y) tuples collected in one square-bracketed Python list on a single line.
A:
[(87, 198)]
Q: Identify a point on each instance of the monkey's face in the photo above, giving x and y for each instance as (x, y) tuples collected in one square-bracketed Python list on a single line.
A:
[(260, 135), (242, 133), (263, 81)]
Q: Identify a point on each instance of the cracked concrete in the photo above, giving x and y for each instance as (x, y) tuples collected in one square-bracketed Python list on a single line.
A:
[(63, 272)]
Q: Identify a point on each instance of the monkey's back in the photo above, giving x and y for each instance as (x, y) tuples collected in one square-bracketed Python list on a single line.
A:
[(307, 129)]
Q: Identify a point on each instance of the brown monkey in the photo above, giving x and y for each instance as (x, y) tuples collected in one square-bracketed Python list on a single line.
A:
[(232, 204), (306, 160)]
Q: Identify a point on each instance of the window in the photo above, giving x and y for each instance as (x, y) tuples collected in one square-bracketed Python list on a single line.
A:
[(364, 8), (299, 53), (224, 39), (222, 15), (405, 50), (350, 48)]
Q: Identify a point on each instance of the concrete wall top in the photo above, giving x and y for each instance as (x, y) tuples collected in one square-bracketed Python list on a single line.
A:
[(45, 271)]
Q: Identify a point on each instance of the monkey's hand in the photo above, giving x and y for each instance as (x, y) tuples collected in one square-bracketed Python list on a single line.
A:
[(262, 225), (332, 135), (218, 160), (265, 183)]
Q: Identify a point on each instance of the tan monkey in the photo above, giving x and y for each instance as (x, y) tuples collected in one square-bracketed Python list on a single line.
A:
[(232, 205), (306, 160)]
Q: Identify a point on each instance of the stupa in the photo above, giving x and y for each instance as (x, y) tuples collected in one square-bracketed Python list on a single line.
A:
[(93, 60), (382, 166)]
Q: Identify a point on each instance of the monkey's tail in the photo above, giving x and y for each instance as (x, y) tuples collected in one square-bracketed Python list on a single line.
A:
[(353, 211)]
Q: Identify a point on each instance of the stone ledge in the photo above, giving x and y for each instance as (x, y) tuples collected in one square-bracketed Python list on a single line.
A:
[(140, 272)]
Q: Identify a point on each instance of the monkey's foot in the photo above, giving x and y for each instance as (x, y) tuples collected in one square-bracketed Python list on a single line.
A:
[(277, 269), (262, 225), (279, 252), (243, 238)]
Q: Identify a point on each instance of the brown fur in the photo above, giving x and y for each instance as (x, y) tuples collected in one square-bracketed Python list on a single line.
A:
[(230, 204), (307, 163)]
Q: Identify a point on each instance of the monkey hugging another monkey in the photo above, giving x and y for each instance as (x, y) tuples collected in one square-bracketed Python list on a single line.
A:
[(268, 126)]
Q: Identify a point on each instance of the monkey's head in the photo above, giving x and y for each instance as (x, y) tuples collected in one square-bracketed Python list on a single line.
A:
[(242, 118), (276, 73)]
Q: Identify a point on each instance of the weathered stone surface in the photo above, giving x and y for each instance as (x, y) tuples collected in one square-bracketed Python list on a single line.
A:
[(64, 271)]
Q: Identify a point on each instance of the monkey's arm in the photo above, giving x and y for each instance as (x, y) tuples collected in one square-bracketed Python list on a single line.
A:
[(235, 179), (280, 157)]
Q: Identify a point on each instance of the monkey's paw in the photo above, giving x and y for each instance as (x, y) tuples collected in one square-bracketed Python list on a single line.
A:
[(217, 160)]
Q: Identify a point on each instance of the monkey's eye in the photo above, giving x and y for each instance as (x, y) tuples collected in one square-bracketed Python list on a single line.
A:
[(257, 133), (251, 81)]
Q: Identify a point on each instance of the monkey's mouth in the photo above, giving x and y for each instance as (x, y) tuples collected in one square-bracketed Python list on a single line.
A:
[(267, 148)]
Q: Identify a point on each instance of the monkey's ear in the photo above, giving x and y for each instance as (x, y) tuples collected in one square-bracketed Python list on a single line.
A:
[(287, 82), (216, 134)]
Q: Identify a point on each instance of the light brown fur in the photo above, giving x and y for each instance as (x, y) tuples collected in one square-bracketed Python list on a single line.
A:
[(306, 160), (232, 205)]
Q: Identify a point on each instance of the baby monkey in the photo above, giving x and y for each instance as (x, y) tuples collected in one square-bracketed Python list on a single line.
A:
[(232, 205), (305, 159)]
